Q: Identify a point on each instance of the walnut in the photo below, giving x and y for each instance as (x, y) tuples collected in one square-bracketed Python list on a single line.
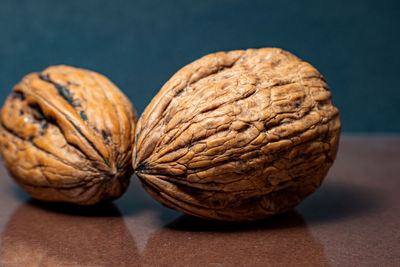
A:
[(238, 136), (66, 135)]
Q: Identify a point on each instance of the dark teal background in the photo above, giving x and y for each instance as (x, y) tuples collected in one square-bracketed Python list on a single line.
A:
[(140, 44)]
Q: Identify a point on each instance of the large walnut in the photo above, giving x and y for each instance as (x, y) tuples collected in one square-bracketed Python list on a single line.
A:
[(238, 136), (66, 135)]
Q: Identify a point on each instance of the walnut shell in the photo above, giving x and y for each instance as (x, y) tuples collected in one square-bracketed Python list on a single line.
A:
[(238, 136), (66, 135)]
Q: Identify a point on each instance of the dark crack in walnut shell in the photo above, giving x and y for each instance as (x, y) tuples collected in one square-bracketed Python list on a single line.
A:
[(66, 135), (238, 136)]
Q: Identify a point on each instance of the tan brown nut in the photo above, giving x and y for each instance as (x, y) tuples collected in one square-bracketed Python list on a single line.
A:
[(238, 136), (66, 135)]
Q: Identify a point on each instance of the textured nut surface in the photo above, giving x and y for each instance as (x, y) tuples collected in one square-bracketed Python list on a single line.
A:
[(238, 136), (66, 135)]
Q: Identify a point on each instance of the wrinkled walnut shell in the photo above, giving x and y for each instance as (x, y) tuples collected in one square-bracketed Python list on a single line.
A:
[(238, 136), (66, 135)]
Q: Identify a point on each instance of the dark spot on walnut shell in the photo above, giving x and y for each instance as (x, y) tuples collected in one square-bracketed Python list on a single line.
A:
[(48, 140), (238, 136)]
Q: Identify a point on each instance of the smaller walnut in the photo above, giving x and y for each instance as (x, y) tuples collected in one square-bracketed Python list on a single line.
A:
[(66, 135)]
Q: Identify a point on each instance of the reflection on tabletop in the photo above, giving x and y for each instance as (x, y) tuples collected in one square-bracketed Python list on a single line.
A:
[(136, 230), (39, 235), (145, 233)]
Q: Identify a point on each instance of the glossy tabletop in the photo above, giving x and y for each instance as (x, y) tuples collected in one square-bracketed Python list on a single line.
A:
[(353, 219)]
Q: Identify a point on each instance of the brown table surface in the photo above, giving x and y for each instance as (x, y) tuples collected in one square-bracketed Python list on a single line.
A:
[(352, 220)]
